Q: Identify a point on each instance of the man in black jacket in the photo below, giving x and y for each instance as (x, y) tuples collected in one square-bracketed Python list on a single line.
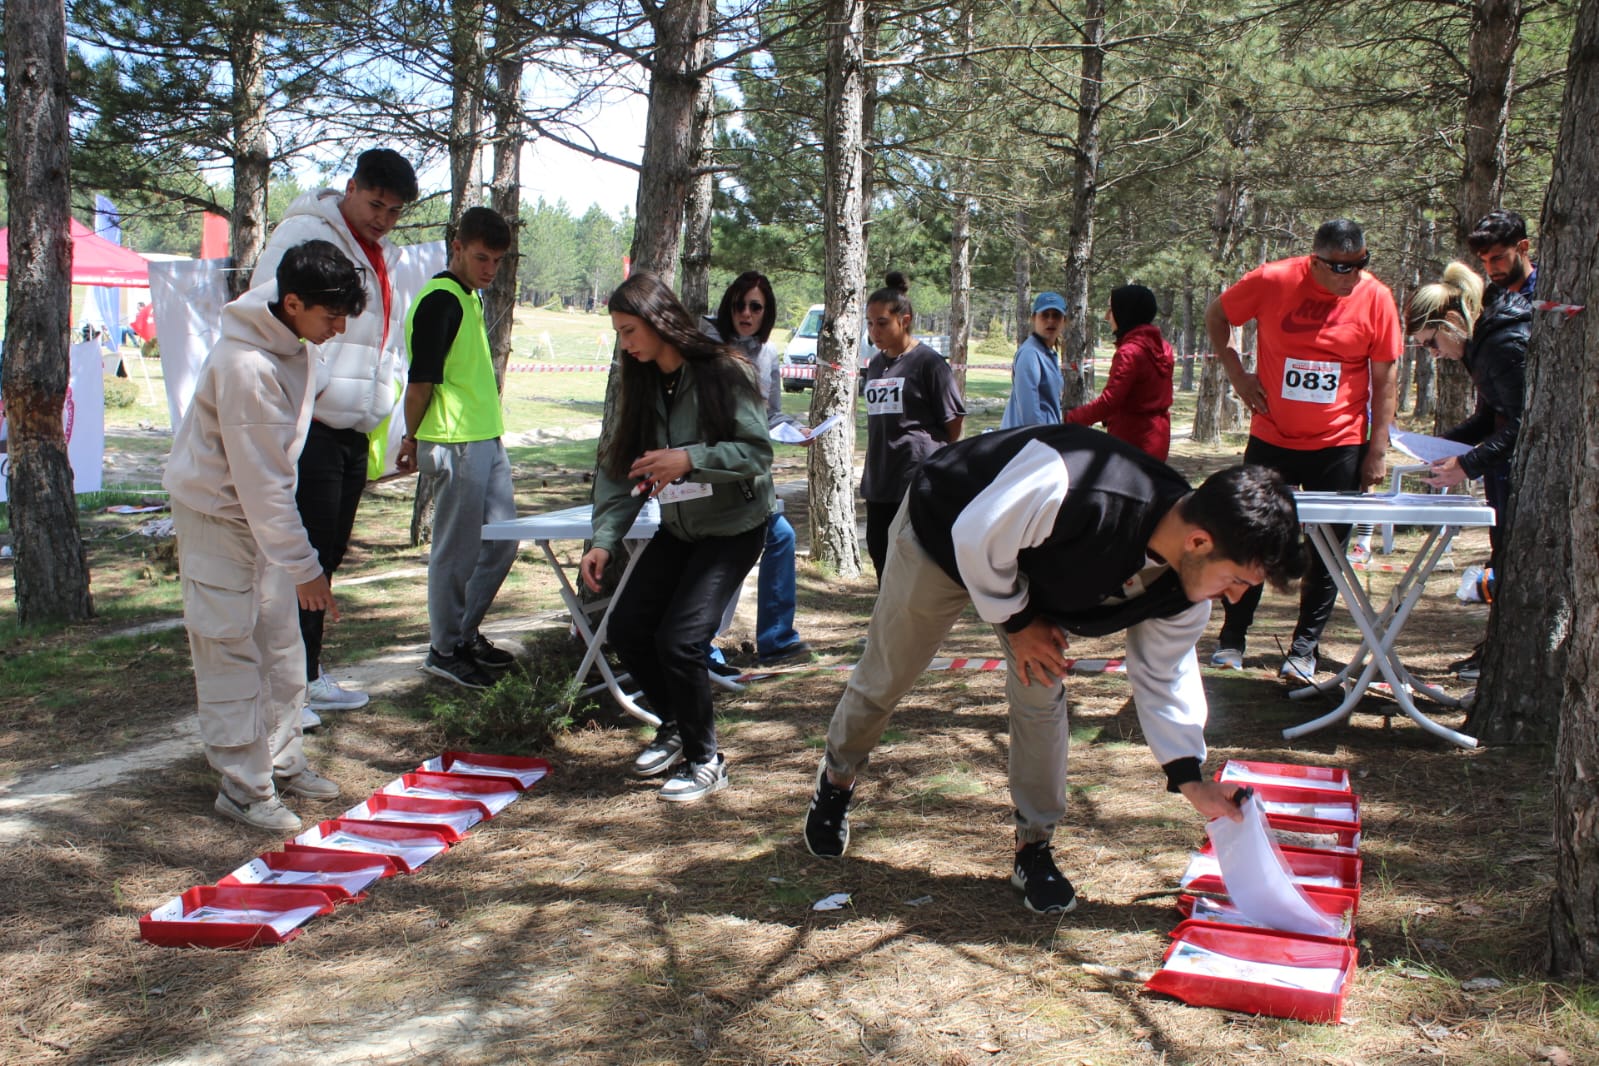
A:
[(1050, 530)]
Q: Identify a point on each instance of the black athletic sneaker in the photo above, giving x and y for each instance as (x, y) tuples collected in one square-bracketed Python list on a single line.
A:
[(1044, 888), (485, 654), (460, 669), (827, 822)]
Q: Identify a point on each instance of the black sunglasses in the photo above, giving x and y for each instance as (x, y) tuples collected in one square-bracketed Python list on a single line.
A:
[(1345, 268), (753, 306)]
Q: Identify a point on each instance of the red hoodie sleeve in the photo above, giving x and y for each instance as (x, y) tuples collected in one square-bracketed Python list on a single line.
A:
[(1118, 386)]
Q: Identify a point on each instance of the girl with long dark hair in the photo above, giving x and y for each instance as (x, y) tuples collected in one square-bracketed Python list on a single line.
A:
[(689, 430)]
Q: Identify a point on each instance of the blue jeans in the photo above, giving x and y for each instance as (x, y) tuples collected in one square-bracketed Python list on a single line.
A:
[(775, 594)]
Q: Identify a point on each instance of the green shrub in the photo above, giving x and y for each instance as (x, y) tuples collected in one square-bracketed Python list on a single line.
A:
[(531, 704), (120, 392)]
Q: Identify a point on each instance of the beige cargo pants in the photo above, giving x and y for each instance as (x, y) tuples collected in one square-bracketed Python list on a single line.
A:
[(249, 661)]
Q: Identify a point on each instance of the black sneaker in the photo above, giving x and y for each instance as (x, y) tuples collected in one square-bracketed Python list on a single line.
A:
[(460, 669), (485, 654), (800, 652), (1044, 888), (664, 752), (720, 669), (696, 780), (827, 822)]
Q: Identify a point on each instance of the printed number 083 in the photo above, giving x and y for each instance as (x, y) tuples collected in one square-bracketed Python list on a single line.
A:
[(1312, 381)]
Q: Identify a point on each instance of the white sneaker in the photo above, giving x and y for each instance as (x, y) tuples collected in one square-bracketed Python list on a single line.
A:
[(325, 694), (309, 720)]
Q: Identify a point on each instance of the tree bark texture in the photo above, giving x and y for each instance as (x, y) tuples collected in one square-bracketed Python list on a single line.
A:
[(467, 66), (505, 187), (1085, 193), (666, 167), (832, 478), (960, 283), (696, 288), (1024, 277), (52, 572), (1538, 600), (1570, 262), (252, 150)]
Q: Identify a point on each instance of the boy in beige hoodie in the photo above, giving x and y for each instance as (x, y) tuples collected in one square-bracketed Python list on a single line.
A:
[(246, 561)]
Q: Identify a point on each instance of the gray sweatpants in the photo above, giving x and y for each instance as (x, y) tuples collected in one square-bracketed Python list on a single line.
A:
[(917, 603), (249, 662), (464, 570)]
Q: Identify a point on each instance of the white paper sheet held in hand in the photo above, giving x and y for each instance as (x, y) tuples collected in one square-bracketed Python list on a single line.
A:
[(1257, 878), (789, 433), (1427, 449)]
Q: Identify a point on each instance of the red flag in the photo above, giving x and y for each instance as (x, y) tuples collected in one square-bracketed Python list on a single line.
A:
[(627, 267), (214, 238)]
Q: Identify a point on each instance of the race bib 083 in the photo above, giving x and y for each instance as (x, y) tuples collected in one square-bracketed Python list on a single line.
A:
[(1309, 381), (885, 396)]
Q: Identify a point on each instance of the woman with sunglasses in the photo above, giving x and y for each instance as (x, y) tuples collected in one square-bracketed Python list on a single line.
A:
[(1450, 319), (688, 429), (744, 320)]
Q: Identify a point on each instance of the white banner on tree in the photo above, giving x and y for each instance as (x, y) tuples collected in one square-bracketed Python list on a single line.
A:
[(83, 419)]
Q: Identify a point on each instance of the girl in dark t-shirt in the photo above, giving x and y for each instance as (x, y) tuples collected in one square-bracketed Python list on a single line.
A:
[(913, 408)]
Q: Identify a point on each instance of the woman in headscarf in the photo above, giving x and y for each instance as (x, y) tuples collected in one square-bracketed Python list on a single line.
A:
[(1135, 404)]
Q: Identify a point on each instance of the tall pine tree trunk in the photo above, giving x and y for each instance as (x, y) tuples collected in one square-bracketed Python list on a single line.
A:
[(1085, 193), (696, 288), (1570, 272), (52, 573), (960, 283), (1023, 273), (832, 480), (1539, 604), (251, 153), (505, 187)]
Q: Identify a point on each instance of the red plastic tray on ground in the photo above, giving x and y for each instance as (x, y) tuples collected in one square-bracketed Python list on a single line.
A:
[(1284, 774), (1320, 804), (233, 916), (495, 793), (526, 771), (1325, 870), (1293, 977), (342, 877), (1333, 902), (408, 847), (1310, 834), (457, 814)]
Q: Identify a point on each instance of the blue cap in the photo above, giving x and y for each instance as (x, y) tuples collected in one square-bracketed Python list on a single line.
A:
[(1049, 301)]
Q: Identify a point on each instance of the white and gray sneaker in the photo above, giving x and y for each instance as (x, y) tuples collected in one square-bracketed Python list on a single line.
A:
[(269, 813), (696, 780), (309, 720), (326, 694), (663, 753)]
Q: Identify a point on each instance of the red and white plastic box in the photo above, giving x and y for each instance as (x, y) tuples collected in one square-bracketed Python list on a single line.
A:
[(343, 878), (233, 916), (1256, 972)]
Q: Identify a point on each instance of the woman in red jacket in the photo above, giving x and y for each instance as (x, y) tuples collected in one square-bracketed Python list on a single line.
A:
[(1135, 404)]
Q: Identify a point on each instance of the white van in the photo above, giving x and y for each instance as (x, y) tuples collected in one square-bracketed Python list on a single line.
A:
[(801, 350)]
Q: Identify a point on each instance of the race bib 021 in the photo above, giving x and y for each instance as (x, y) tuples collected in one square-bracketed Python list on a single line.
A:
[(885, 396), (1309, 381)]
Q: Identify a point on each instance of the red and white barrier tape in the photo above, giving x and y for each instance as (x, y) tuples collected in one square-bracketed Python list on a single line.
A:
[(554, 368), (1565, 309), (1076, 666)]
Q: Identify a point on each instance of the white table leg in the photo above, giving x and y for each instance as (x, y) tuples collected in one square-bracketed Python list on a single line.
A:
[(1379, 632), (594, 634)]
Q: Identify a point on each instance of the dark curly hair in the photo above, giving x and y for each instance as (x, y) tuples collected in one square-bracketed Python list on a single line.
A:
[(1251, 517)]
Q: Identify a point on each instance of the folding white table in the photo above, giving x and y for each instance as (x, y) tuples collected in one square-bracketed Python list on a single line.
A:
[(589, 619), (1442, 517)]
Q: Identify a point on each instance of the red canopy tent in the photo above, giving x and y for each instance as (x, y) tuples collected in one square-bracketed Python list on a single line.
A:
[(95, 260)]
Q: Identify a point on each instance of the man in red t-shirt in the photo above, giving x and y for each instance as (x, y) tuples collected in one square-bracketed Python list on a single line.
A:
[(1328, 337)]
